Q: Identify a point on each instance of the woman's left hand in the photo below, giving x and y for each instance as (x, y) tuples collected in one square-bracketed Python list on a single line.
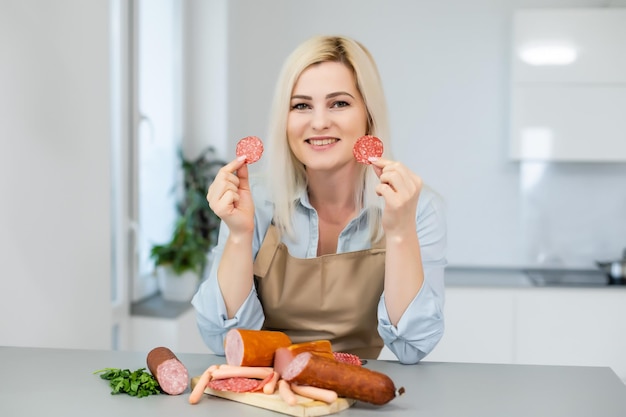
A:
[(400, 187)]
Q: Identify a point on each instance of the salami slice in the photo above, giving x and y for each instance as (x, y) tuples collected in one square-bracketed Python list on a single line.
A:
[(367, 147), (251, 147), (169, 372), (236, 384), (347, 358)]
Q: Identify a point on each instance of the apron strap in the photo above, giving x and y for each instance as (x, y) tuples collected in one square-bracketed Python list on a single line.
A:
[(266, 253)]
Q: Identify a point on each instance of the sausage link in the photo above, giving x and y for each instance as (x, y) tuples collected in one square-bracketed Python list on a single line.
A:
[(346, 380)]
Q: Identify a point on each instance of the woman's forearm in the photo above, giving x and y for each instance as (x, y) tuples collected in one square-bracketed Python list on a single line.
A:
[(404, 274), (234, 274)]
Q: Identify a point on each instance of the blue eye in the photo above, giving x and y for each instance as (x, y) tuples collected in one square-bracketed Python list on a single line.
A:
[(300, 106)]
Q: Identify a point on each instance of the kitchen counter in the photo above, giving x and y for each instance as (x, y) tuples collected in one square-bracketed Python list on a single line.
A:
[(60, 382), (456, 276)]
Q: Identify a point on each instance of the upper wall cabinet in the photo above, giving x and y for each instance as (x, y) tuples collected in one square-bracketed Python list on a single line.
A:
[(568, 92)]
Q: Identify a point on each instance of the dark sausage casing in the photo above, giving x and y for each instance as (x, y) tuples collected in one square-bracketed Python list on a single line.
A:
[(347, 380), (169, 372)]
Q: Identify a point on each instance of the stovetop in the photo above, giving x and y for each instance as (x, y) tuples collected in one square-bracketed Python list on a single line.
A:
[(573, 278)]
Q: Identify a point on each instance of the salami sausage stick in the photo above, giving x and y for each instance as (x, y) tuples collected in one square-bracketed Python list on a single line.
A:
[(346, 380), (169, 372), (245, 347)]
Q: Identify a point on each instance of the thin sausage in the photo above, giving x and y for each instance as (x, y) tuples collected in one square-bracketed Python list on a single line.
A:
[(346, 380), (285, 392), (315, 393), (224, 372), (198, 390), (270, 387)]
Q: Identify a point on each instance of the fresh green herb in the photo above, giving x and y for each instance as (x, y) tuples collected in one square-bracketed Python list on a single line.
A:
[(137, 383)]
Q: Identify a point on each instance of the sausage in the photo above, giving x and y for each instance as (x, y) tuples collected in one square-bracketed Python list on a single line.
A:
[(346, 380), (236, 384), (251, 147), (169, 372), (285, 392), (366, 147), (198, 390), (315, 393), (256, 372), (285, 355), (270, 386), (243, 347)]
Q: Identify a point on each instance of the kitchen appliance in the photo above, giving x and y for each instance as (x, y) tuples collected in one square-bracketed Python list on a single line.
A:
[(615, 270)]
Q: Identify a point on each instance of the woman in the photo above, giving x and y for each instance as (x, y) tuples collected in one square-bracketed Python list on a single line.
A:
[(326, 247)]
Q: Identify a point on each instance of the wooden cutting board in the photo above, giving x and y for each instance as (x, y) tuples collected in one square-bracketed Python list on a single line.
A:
[(306, 407)]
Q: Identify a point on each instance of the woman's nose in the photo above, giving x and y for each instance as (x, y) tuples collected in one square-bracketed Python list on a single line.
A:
[(320, 119)]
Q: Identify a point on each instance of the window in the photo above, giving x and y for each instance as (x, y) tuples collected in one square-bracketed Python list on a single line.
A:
[(157, 107)]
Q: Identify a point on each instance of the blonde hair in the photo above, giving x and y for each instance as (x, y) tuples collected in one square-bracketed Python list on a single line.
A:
[(282, 162)]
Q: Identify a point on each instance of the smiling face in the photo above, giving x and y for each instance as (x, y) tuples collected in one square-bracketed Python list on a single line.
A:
[(327, 115)]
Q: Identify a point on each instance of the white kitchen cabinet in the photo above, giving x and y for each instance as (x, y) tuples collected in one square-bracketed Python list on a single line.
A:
[(535, 325), (572, 326), (479, 326), (568, 85), (179, 333)]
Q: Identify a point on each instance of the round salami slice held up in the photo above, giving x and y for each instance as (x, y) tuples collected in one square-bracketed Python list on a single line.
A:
[(251, 147), (367, 147)]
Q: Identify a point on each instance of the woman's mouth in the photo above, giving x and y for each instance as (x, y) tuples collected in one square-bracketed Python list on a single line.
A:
[(321, 142)]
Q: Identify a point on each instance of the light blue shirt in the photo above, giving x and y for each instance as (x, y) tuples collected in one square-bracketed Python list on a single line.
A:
[(419, 329)]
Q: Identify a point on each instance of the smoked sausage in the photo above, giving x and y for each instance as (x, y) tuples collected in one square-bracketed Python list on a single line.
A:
[(169, 372), (285, 355), (350, 381), (244, 347)]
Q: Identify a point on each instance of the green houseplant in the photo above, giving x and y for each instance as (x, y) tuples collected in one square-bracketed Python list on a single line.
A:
[(195, 230)]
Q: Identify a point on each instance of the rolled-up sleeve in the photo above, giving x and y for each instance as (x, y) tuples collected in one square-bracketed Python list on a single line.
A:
[(212, 319), (421, 326)]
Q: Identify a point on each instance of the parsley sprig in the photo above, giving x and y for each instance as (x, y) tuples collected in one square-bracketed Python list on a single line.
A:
[(137, 383)]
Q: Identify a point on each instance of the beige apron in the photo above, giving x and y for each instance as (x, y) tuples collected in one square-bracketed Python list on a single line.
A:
[(333, 297)]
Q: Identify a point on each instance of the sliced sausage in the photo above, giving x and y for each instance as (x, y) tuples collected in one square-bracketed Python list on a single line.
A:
[(366, 147), (251, 147), (347, 358), (237, 384), (285, 355), (346, 380), (244, 347), (169, 372)]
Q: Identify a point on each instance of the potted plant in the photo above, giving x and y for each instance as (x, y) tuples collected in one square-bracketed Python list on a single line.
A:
[(180, 263)]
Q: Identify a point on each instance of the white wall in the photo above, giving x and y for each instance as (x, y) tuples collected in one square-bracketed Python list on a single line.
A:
[(445, 66), (55, 237)]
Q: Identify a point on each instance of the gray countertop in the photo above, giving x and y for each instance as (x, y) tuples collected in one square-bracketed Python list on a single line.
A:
[(457, 276), (60, 382)]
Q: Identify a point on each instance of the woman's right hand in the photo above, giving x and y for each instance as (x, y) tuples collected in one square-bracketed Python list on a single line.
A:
[(230, 198)]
